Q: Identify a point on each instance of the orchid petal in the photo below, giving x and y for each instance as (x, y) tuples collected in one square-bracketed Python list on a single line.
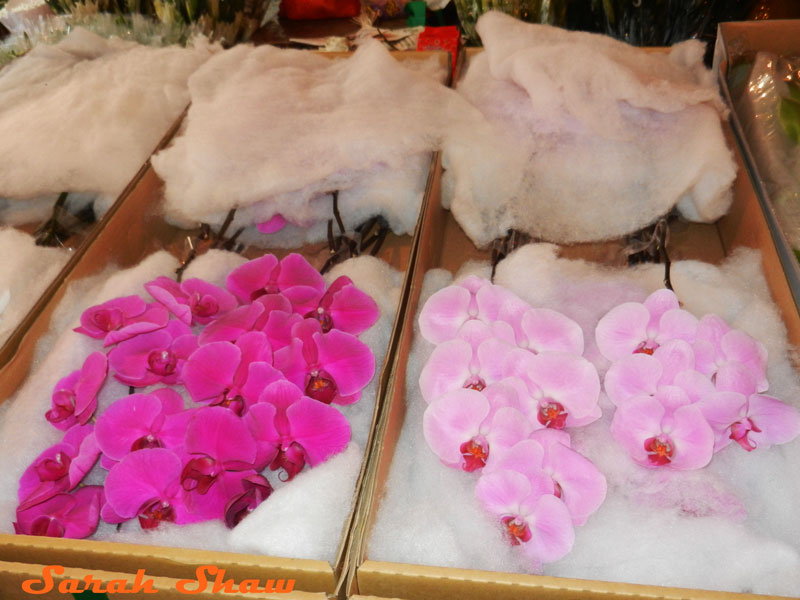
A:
[(153, 318), (276, 223), (674, 356), (677, 324), (551, 527), (447, 369), (453, 420), (693, 437), (319, 428), (779, 422), (126, 421), (231, 325), (347, 358), (248, 281), (632, 376), (444, 313), (622, 329), (568, 379), (636, 421), (218, 433), (209, 371), (740, 347), (549, 330), (736, 377), (353, 311), (583, 487), (141, 477), (502, 492), (507, 427)]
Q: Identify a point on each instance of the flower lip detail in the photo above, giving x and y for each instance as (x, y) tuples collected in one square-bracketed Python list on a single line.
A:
[(552, 414), (517, 530), (740, 431), (155, 512), (475, 453), (659, 450)]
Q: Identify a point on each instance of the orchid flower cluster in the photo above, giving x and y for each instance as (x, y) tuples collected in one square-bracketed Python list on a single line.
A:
[(231, 382), (503, 383), (685, 388)]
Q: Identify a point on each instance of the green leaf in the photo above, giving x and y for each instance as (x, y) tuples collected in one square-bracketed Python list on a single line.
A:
[(789, 118)]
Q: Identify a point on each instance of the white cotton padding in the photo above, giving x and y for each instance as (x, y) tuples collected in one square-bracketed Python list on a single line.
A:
[(591, 138), (93, 111), (732, 526), (25, 273), (275, 131), (304, 518)]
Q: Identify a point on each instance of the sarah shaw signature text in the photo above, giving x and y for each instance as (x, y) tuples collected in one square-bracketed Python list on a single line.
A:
[(140, 585)]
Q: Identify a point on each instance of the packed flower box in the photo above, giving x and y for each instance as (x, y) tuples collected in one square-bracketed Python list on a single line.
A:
[(626, 504), (220, 340)]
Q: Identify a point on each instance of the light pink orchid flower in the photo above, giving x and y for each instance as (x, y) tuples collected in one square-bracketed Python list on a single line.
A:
[(635, 327), (465, 428), (664, 430), (717, 345), (737, 413), (564, 387), (531, 517), (471, 299), (474, 359)]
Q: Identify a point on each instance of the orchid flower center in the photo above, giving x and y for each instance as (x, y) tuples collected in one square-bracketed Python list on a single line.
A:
[(147, 441), (205, 306), (63, 406), (659, 450), (199, 474), (475, 383), (47, 526), (323, 317), (291, 459), (552, 414), (154, 512), (243, 504), (558, 491), (53, 469), (321, 386), (517, 530), (108, 319), (646, 347), (740, 431), (235, 403), (162, 362), (475, 452)]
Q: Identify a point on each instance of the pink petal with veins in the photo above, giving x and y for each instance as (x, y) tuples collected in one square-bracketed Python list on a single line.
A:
[(444, 313), (453, 420), (231, 325), (209, 371), (74, 515), (219, 434), (548, 330), (779, 422), (622, 330), (319, 428), (97, 321), (447, 369), (347, 358), (350, 309), (153, 318), (674, 356), (631, 376), (248, 281)]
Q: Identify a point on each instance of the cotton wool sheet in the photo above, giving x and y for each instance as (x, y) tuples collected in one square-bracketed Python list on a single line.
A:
[(275, 132), (588, 138), (85, 114), (682, 529), (303, 518)]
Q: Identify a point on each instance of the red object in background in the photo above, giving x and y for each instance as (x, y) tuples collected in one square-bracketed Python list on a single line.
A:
[(441, 38), (319, 9)]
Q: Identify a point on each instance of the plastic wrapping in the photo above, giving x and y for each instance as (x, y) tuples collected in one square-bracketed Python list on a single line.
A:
[(766, 96)]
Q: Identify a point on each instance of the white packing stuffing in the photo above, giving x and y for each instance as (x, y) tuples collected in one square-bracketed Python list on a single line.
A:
[(591, 138), (319, 519), (94, 110), (275, 131), (660, 528), (25, 272)]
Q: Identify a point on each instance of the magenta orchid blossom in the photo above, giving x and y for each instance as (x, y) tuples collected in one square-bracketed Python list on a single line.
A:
[(60, 468), (74, 398), (139, 421), (530, 516), (344, 307), (292, 276), (71, 515), (273, 225), (465, 430), (292, 430), (635, 327), (192, 301), (330, 367), (153, 357), (120, 319), (230, 375)]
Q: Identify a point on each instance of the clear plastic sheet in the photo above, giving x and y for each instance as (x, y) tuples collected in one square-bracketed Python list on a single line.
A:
[(766, 97)]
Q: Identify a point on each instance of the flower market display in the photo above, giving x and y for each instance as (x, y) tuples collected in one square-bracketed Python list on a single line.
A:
[(277, 134), (582, 417), (582, 138), (184, 405)]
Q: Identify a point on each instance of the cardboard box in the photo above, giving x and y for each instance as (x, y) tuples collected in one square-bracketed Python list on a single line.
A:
[(15, 575), (133, 229), (443, 244), (737, 43)]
